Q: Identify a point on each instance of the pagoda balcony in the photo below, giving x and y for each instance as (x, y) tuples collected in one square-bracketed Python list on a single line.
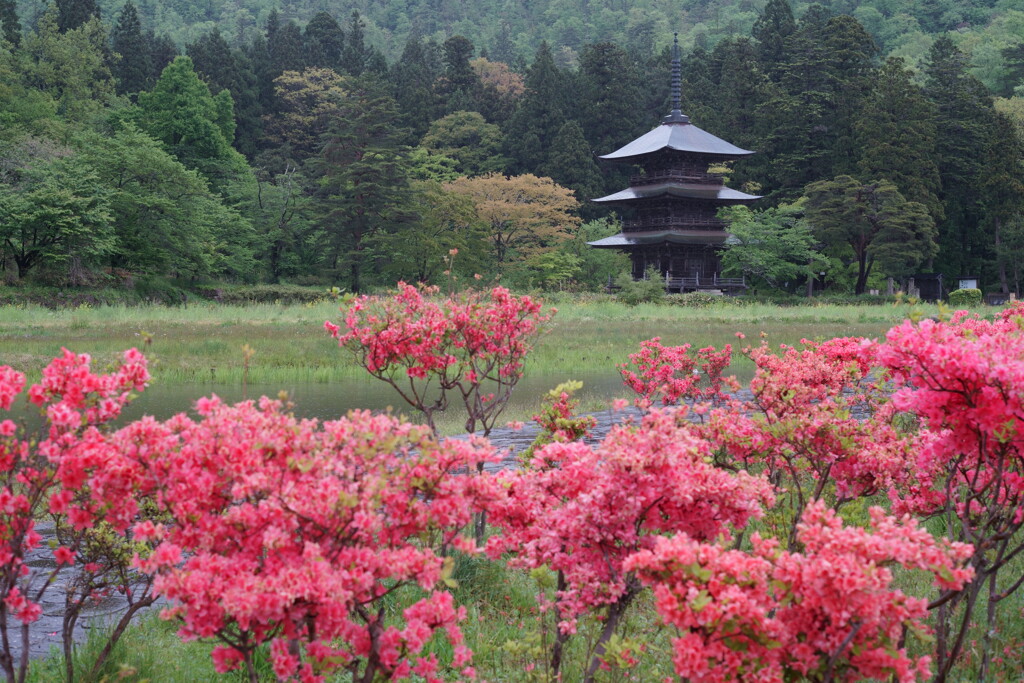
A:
[(662, 222), (677, 175)]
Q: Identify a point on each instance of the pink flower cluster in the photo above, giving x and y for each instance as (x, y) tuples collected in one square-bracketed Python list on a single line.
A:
[(672, 374), (826, 613), (583, 511), (294, 532)]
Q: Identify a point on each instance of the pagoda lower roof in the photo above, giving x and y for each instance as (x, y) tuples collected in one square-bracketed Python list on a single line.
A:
[(652, 237), (686, 190), (678, 136)]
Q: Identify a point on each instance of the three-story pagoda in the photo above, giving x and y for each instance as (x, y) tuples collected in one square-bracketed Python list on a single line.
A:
[(670, 207)]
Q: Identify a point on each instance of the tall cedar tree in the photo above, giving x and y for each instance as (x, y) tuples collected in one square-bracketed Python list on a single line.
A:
[(540, 115), (10, 27), (609, 90), (162, 51), (132, 68), (224, 68), (896, 134), (354, 53), (364, 181), (965, 115), (809, 126), (412, 78), (571, 164), (1003, 185), (324, 41), (772, 31), (286, 49), (73, 13), (457, 89)]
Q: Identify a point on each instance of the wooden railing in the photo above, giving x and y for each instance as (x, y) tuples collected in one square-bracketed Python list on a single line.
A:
[(684, 176), (638, 224), (678, 284)]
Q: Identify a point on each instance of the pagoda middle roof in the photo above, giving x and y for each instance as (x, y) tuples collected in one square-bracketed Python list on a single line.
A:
[(678, 136), (687, 190), (638, 239)]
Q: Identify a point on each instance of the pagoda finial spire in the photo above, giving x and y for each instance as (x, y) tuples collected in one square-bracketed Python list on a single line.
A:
[(676, 115)]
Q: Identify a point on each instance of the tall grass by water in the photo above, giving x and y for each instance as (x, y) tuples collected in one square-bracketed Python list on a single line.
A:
[(202, 344)]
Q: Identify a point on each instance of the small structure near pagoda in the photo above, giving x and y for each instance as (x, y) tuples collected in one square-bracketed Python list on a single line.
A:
[(670, 207)]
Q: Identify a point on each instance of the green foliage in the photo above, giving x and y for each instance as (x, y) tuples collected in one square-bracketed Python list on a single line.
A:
[(466, 137), (57, 213), (873, 222), (769, 246), (695, 300), (193, 125), (965, 298), (633, 292)]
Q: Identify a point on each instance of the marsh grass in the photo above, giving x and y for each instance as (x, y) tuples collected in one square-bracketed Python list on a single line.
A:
[(202, 344)]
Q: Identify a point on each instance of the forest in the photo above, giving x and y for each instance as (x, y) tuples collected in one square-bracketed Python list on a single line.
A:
[(358, 145)]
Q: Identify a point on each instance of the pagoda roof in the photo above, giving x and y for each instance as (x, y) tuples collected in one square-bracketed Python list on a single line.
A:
[(686, 190), (679, 135), (640, 239)]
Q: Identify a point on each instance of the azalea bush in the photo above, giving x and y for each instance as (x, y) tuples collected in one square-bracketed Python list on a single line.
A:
[(71, 473), (297, 533), (468, 347), (674, 374)]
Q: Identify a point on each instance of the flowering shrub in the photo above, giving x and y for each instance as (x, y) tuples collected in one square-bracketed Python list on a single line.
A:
[(828, 613), (964, 380), (470, 346), (583, 511), (558, 421), (73, 474), (295, 533), (672, 374)]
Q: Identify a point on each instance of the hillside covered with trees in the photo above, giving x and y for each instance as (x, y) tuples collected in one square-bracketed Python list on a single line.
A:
[(249, 142)]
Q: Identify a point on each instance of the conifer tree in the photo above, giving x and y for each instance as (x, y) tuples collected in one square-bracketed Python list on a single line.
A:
[(772, 30), (73, 13), (324, 41), (354, 54), (965, 114), (896, 133), (161, 52), (539, 116), (412, 78), (363, 182), (132, 69), (10, 27), (223, 68), (571, 164), (609, 91)]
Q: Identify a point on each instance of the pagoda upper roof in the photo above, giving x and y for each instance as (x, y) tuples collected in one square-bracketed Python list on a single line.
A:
[(685, 190), (678, 134), (638, 239)]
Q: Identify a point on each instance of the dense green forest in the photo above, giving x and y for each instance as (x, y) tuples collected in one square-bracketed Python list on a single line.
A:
[(357, 145)]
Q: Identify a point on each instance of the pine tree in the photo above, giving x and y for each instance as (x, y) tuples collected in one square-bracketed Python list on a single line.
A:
[(539, 116), (412, 78), (73, 13), (324, 41), (161, 52), (10, 27), (285, 47), (1002, 186), (456, 90), (132, 69)]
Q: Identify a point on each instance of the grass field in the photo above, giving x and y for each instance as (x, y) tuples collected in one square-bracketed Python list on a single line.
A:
[(202, 344)]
